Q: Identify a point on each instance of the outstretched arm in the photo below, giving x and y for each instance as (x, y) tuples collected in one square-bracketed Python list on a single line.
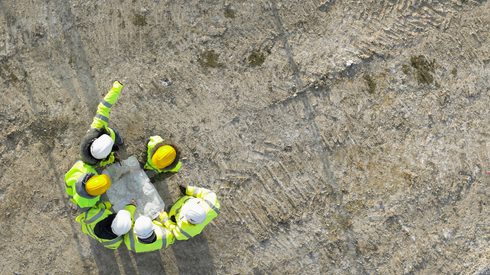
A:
[(131, 208), (101, 119)]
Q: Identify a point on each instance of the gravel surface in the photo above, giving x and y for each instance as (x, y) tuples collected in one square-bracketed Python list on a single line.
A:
[(342, 137)]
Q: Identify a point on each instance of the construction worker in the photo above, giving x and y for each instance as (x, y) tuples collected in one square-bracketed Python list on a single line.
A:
[(162, 157), (84, 185), (191, 213), (100, 142), (105, 226), (148, 235)]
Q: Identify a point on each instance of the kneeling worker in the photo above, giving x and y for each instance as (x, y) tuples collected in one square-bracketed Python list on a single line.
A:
[(148, 235), (84, 185), (105, 226), (162, 157), (191, 213), (100, 142)]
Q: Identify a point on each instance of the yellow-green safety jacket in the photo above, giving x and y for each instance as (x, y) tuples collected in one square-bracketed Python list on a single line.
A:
[(96, 214), (75, 180), (183, 229), (163, 240), (100, 126), (154, 143)]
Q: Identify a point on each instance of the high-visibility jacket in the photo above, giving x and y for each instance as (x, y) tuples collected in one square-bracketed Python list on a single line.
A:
[(163, 240), (96, 214), (100, 126), (75, 180), (154, 143), (183, 229)]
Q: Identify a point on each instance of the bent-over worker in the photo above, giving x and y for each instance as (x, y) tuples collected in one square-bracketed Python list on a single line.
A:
[(191, 213), (105, 226), (84, 185)]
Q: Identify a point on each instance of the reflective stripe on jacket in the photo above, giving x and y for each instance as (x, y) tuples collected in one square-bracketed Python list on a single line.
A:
[(101, 119)]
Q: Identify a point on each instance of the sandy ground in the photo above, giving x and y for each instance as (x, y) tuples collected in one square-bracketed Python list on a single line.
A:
[(342, 137)]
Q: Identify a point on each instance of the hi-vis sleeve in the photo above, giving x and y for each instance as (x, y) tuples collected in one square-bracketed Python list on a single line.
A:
[(101, 119)]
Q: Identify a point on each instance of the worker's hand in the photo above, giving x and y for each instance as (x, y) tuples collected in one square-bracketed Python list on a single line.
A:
[(105, 204), (183, 188), (163, 217), (133, 202)]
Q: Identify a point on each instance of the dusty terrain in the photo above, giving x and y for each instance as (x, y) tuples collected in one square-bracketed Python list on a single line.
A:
[(342, 137)]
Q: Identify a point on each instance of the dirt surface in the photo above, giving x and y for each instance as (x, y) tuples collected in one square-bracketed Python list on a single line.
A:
[(342, 137)]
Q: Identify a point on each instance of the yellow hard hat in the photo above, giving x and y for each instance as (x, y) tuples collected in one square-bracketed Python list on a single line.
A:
[(98, 185), (164, 156)]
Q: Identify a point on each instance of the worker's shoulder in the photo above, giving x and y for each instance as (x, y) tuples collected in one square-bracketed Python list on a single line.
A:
[(95, 132), (81, 167), (207, 192)]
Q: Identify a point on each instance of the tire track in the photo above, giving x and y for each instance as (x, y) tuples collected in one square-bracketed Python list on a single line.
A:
[(272, 209), (77, 52), (382, 26), (357, 259), (287, 47), (33, 129), (402, 21), (23, 37), (9, 23)]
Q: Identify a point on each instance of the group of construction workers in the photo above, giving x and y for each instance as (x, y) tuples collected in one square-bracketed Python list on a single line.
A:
[(85, 184)]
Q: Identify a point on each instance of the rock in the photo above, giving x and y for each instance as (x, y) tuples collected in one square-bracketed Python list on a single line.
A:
[(129, 182)]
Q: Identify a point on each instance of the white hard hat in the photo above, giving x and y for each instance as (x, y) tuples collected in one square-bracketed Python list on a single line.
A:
[(193, 211), (143, 227), (101, 147), (121, 223)]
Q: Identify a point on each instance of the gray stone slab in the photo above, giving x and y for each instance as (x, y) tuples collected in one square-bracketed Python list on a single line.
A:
[(129, 182)]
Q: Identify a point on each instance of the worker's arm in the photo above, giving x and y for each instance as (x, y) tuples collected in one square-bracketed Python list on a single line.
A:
[(101, 119), (171, 227), (104, 205), (132, 209), (176, 231), (164, 220), (198, 192), (205, 194), (70, 181), (167, 234), (169, 237), (71, 177)]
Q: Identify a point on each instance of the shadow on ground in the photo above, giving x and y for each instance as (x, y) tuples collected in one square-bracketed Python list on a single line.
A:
[(193, 256)]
